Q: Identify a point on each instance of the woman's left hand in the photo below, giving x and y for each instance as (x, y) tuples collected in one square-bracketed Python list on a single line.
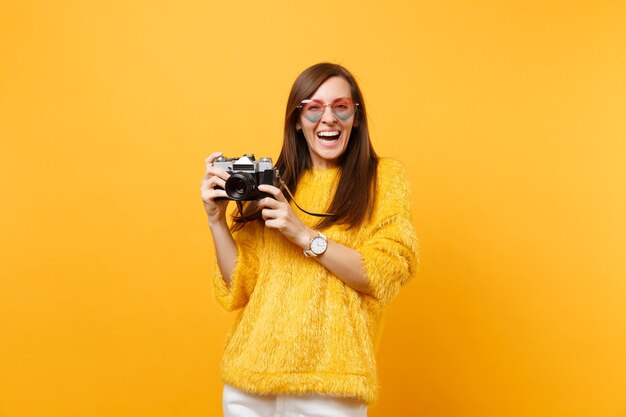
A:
[(278, 214), (344, 262)]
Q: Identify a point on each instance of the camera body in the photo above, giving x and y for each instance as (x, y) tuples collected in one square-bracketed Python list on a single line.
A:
[(246, 174)]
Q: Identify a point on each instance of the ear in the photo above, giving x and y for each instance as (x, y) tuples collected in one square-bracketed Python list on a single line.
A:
[(298, 127)]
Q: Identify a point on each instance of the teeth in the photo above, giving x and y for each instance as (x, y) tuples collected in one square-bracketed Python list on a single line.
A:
[(328, 134)]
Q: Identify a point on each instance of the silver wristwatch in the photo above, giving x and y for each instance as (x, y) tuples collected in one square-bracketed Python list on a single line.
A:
[(317, 246)]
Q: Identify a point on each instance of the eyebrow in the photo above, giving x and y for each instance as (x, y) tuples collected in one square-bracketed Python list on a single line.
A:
[(308, 100)]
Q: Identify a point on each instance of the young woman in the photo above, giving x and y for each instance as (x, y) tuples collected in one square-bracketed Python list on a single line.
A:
[(311, 292)]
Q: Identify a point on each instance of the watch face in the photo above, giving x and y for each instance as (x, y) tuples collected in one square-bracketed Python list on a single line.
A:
[(318, 245)]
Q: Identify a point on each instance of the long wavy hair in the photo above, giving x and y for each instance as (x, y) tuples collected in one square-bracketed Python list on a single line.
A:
[(355, 194)]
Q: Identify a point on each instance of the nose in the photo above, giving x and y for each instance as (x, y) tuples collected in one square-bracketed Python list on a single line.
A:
[(328, 116)]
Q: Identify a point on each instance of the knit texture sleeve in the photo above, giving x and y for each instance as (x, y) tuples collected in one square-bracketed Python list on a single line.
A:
[(244, 276), (389, 250)]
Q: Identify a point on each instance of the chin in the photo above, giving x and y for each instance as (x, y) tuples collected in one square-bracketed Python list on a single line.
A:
[(329, 157)]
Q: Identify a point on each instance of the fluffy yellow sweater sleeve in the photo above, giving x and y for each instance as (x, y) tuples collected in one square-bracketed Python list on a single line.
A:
[(300, 329)]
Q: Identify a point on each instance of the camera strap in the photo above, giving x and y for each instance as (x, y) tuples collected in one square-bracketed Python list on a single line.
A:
[(284, 185), (301, 209)]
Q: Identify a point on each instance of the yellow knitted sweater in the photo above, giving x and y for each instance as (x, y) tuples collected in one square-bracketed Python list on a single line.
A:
[(300, 329)]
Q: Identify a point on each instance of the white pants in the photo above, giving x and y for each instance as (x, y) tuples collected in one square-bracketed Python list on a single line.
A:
[(237, 403)]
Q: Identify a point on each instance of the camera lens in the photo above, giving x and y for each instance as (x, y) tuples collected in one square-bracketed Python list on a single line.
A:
[(240, 186)]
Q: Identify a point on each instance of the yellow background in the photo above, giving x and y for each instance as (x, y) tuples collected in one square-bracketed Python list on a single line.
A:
[(510, 118)]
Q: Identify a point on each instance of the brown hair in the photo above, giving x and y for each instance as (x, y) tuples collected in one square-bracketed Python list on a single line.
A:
[(355, 193)]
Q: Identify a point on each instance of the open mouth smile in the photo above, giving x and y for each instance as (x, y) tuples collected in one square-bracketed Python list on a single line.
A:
[(329, 135)]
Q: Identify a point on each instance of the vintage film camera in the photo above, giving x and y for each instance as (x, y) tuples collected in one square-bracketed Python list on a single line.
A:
[(245, 175)]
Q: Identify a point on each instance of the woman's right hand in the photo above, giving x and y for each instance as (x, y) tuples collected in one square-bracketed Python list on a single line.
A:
[(215, 200)]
